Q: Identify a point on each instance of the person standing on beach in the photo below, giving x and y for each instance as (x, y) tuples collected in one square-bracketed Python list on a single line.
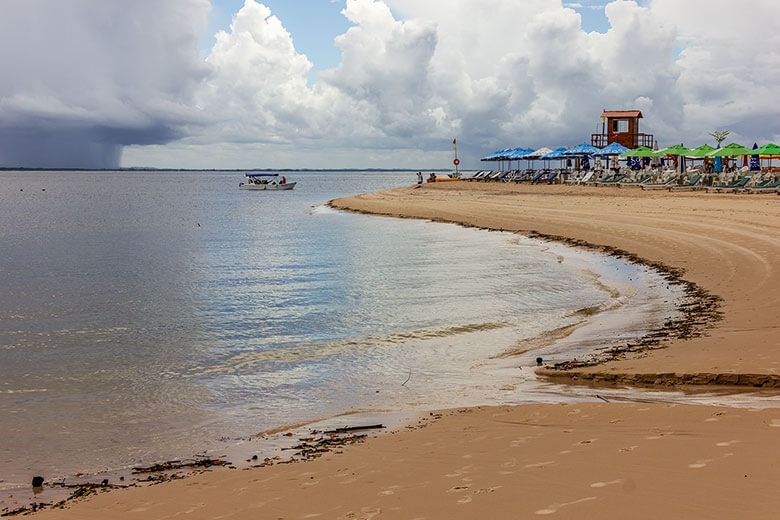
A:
[(419, 177)]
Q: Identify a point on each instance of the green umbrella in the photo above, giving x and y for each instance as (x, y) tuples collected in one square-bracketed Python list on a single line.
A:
[(701, 151), (677, 149), (767, 149), (642, 151), (731, 150)]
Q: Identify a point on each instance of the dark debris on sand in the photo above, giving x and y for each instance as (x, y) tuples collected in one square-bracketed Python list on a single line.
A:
[(699, 310)]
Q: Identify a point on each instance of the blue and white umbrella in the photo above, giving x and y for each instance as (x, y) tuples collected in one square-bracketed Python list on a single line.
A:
[(497, 156), (613, 149), (583, 149), (556, 154)]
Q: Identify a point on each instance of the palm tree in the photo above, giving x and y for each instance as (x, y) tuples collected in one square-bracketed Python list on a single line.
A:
[(720, 135)]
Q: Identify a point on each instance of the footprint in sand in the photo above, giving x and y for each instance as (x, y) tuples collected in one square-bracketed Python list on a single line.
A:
[(459, 472), (552, 509), (605, 484), (775, 423), (483, 491), (726, 443), (366, 513), (540, 464), (389, 490), (699, 464), (457, 489)]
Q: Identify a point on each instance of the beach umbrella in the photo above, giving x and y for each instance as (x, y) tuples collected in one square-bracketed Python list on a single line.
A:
[(556, 154), (518, 153), (537, 154), (701, 151), (583, 149), (614, 149), (768, 149), (755, 161), (495, 156), (642, 151), (731, 150), (677, 149)]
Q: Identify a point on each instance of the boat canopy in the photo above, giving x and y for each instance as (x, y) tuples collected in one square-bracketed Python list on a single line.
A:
[(262, 174)]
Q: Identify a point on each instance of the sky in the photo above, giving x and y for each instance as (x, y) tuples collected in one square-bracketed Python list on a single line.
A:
[(371, 83)]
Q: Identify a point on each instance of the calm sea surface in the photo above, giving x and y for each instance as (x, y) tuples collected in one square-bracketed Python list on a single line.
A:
[(144, 314)]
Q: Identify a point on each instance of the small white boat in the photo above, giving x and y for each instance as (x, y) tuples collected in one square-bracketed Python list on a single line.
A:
[(265, 182)]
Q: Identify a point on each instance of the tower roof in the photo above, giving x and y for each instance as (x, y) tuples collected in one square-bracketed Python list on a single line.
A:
[(621, 113)]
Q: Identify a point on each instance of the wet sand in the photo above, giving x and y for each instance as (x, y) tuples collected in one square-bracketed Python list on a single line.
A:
[(605, 460), (728, 244)]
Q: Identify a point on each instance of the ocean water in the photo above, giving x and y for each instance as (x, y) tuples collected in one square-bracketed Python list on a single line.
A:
[(145, 314)]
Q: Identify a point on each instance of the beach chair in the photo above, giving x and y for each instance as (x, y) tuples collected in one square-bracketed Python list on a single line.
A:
[(574, 177), (770, 187), (659, 185), (537, 177), (734, 186), (588, 176), (547, 176), (611, 181), (637, 182), (596, 181), (690, 185), (526, 175)]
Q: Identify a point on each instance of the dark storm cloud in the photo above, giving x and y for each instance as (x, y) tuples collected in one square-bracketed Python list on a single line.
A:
[(81, 78)]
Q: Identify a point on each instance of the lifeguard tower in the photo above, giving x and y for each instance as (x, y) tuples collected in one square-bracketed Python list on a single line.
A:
[(621, 126)]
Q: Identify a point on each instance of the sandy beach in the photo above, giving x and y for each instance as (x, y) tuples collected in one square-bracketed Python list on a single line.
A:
[(587, 460)]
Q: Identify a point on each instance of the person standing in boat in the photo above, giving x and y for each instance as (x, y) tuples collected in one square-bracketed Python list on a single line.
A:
[(284, 180)]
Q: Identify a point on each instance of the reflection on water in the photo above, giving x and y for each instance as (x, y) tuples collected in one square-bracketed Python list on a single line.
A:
[(145, 314)]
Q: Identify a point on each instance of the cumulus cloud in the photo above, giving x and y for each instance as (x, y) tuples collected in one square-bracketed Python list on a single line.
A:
[(493, 73)]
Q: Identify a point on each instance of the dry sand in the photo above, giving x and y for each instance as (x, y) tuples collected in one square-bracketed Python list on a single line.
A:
[(590, 460)]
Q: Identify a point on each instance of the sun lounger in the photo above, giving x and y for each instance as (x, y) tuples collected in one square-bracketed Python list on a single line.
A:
[(611, 181), (766, 188), (537, 177), (547, 176), (690, 185), (594, 182), (736, 185), (659, 185), (634, 183), (588, 176), (527, 175)]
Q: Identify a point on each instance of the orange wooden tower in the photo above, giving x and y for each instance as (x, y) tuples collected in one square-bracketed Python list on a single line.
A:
[(621, 126)]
